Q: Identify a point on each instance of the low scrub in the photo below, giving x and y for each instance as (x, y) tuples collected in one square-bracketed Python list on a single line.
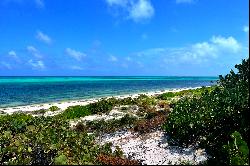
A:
[(54, 108), (27, 140), (207, 120), (110, 125), (73, 112)]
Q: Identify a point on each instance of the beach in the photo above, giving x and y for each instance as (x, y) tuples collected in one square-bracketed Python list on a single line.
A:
[(65, 104)]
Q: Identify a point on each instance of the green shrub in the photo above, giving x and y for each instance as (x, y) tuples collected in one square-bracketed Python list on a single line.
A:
[(237, 150), (209, 119), (41, 111), (45, 141), (60, 160), (54, 108), (167, 95), (102, 106), (111, 125), (76, 112)]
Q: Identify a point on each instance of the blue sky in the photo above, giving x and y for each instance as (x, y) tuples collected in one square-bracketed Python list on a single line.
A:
[(122, 37)]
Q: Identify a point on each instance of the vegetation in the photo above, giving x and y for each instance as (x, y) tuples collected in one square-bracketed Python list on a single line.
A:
[(73, 112), (208, 120), (189, 92), (237, 150), (54, 108), (153, 123), (110, 125), (45, 140)]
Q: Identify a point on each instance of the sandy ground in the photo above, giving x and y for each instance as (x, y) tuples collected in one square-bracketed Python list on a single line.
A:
[(153, 148), (66, 104)]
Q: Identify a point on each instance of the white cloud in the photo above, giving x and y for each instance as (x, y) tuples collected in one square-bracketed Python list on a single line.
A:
[(197, 52), (38, 65), (6, 65), (43, 37), (246, 29), (113, 58), (75, 54), (137, 10), (141, 10), (184, 1), (203, 49), (34, 51), (229, 43)]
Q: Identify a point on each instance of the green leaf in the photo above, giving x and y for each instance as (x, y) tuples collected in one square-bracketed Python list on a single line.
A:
[(61, 160)]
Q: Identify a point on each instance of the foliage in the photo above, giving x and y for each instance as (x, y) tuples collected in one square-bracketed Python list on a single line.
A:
[(237, 150), (54, 108), (37, 112), (102, 106), (110, 125), (145, 101), (147, 125), (75, 112), (167, 95), (189, 92), (209, 119), (60, 160), (45, 141)]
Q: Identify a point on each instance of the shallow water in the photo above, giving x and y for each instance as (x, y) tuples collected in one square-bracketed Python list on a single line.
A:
[(17, 91)]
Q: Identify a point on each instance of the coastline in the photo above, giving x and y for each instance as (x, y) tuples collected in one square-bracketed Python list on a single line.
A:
[(63, 105)]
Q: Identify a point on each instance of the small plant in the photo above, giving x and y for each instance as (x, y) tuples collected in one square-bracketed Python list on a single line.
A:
[(118, 151), (60, 160), (54, 108), (41, 111)]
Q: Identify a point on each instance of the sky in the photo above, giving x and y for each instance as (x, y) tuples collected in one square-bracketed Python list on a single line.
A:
[(122, 37)]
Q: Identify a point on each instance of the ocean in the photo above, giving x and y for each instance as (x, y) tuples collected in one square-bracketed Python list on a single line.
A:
[(18, 91)]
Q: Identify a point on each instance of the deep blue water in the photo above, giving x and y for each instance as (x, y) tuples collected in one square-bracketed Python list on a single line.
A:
[(16, 91)]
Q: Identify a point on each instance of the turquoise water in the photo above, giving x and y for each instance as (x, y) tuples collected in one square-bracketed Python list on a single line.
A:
[(17, 91)]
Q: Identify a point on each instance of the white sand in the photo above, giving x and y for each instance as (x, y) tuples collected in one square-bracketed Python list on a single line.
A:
[(152, 148), (65, 104)]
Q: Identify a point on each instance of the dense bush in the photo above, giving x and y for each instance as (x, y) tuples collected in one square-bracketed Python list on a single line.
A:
[(102, 106), (45, 140), (75, 112), (209, 119)]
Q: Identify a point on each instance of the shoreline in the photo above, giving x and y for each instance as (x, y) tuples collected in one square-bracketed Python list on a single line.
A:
[(63, 105)]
